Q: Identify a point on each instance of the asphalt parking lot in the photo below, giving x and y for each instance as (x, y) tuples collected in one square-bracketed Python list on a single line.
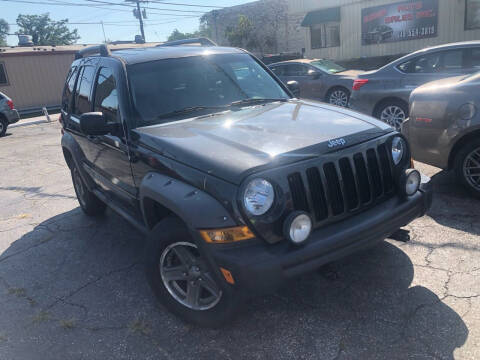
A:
[(72, 287)]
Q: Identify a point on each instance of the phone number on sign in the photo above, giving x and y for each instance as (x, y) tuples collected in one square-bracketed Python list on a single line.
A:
[(417, 32)]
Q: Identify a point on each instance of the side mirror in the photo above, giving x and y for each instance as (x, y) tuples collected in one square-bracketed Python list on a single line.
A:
[(94, 123), (314, 74), (294, 87)]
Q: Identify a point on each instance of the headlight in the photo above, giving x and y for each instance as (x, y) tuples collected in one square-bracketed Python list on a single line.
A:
[(258, 197), (398, 149)]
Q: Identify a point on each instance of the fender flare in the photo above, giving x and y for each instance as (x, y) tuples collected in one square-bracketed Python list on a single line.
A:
[(68, 143), (195, 207)]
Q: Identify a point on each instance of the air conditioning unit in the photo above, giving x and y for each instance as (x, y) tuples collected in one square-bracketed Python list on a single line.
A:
[(25, 40)]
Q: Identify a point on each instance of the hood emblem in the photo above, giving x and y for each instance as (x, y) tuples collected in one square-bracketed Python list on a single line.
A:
[(337, 142)]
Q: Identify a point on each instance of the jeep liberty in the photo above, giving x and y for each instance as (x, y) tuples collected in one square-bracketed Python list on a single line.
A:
[(238, 185)]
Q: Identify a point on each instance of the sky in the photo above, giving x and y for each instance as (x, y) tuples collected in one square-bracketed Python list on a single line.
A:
[(119, 22)]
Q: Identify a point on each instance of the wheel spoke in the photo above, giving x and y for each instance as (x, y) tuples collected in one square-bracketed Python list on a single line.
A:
[(208, 283), (193, 293), (175, 273), (184, 255)]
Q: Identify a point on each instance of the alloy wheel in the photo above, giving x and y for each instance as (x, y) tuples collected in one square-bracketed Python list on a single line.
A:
[(471, 168), (338, 97), (187, 278), (393, 115)]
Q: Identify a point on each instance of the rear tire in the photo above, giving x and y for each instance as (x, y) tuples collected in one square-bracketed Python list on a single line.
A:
[(467, 167), (3, 126), (90, 204), (392, 112), (161, 258)]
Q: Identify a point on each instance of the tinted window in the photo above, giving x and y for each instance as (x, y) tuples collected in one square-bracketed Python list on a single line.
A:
[(278, 70), (452, 60), (475, 58), (106, 95), (165, 86), (69, 84), (296, 70), (430, 63), (84, 85)]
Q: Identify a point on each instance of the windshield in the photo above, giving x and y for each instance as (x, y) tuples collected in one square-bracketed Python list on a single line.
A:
[(327, 66), (211, 82)]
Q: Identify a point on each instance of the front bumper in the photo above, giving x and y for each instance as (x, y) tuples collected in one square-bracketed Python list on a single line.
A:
[(260, 268)]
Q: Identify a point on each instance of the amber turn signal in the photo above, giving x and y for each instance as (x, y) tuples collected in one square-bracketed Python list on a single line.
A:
[(227, 275), (227, 235)]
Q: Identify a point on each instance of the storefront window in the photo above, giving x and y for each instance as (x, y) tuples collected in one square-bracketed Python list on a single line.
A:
[(472, 14), (325, 35)]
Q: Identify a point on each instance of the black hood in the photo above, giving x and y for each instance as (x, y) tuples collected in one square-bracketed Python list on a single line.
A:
[(233, 144)]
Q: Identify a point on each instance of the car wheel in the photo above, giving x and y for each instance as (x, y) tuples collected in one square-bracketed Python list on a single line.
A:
[(90, 204), (3, 126), (393, 113), (338, 96), (467, 167), (182, 279)]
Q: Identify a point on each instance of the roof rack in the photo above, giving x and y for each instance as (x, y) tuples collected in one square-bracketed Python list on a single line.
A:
[(203, 41), (102, 50)]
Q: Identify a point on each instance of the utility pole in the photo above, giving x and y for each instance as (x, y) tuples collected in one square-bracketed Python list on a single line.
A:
[(138, 15), (103, 29)]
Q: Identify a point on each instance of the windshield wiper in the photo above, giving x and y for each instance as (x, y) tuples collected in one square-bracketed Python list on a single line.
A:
[(252, 101), (188, 110)]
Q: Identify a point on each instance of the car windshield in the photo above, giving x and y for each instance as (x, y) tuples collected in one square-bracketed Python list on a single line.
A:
[(327, 66), (169, 88)]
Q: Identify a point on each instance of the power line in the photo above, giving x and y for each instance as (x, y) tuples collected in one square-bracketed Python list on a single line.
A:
[(183, 4), (145, 7)]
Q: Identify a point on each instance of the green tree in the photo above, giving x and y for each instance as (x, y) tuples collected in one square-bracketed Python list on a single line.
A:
[(176, 34), (4, 29), (45, 31), (243, 34)]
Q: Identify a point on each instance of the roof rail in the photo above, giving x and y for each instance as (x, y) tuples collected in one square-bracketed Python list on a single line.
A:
[(203, 41), (102, 49)]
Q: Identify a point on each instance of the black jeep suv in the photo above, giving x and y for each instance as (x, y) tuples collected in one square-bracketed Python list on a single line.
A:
[(238, 185)]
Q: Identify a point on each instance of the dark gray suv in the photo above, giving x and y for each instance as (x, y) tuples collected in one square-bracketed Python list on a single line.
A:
[(8, 113), (384, 93)]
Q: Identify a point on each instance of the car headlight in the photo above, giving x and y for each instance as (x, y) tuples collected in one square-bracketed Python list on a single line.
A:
[(398, 149), (258, 196)]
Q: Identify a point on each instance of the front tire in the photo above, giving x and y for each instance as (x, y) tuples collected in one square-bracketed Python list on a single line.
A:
[(3, 126), (183, 281), (90, 204), (467, 167)]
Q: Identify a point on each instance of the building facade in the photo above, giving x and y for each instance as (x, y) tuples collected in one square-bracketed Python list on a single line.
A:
[(349, 29)]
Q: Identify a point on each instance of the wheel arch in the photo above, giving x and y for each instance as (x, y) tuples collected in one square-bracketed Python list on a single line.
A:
[(460, 143), (386, 100), (162, 196)]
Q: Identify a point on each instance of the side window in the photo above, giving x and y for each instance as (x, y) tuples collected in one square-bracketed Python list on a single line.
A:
[(406, 67), (82, 93), (475, 59), (68, 91), (297, 70), (106, 95), (427, 64), (453, 60), (278, 70)]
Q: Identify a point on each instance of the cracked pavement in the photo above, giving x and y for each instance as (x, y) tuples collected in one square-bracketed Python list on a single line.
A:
[(72, 287)]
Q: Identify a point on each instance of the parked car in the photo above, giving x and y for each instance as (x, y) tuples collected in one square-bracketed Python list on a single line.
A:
[(239, 185), (8, 113), (384, 93), (444, 127), (273, 58), (319, 79), (379, 34)]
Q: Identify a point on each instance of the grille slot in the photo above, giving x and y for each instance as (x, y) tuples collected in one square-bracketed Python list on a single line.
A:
[(362, 178), (297, 189), (318, 193), (374, 171), (334, 189), (349, 183), (386, 169)]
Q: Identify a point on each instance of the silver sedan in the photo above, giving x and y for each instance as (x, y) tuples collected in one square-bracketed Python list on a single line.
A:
[(318, 79)]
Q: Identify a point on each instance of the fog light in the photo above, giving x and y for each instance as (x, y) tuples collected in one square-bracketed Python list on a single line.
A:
[(411, 181), (297, 227)]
